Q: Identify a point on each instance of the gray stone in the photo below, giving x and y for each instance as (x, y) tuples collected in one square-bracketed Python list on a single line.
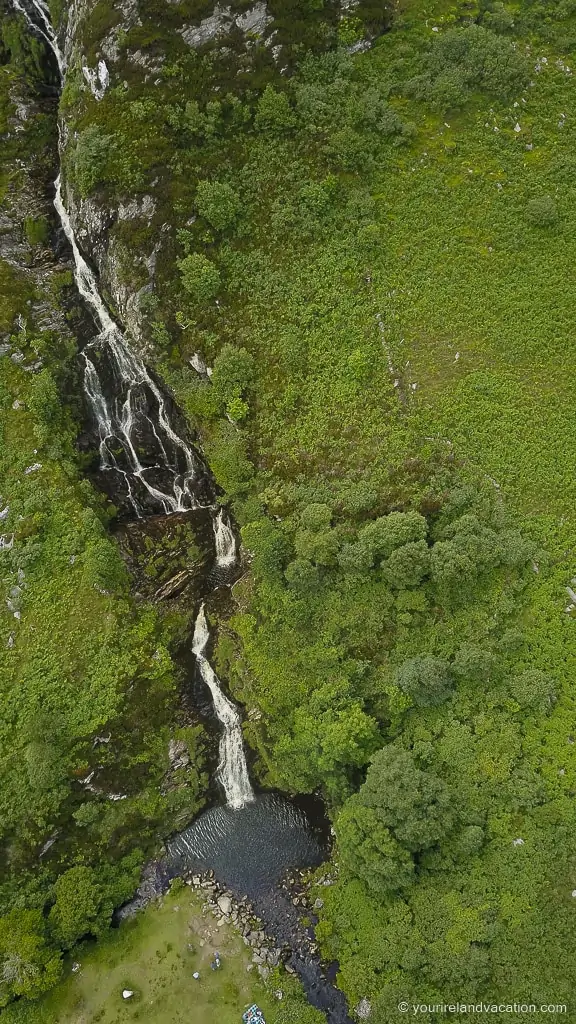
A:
[(363, 1009), (225, 904)]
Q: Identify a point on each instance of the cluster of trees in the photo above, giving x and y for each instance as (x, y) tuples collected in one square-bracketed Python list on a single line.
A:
[(465, 60)]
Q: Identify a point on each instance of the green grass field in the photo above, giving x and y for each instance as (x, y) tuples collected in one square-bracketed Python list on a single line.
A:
[(155, 956)]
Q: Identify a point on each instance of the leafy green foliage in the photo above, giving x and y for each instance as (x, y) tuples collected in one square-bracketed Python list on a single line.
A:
[(462, 60), (200, 278), (542, 211), (426, 680), (218, 203), (274, 112), (90, 159), (28, 964)]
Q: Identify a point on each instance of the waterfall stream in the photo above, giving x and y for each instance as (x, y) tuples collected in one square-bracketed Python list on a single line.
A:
[(232, 770), (252, 840), (134, 417)]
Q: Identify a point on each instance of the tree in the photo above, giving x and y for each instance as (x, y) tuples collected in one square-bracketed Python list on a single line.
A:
[(200, 278), (28, 964), (534, 690), (316, 516), (302, 576), (274, 112), (269, 547), (415, 805), (407, 565), (453, 570), (78, 906), (90, 158), (462, 60), (474, 664), (385, 534), (329, 735), (232, 373), (218, 203), (318, 547), (368, 850), (356, 558), (427, 680)]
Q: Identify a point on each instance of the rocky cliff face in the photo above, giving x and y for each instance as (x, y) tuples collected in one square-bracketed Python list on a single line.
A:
[(27, 219), (142, 77)]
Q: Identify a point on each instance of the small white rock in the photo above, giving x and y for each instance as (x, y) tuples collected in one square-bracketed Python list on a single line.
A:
[(127, 993)]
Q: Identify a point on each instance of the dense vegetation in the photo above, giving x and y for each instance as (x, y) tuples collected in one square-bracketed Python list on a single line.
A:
[(375, 251), (87, 683)]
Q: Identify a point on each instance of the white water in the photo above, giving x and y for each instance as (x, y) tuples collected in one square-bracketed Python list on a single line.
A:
[(224, 540), (232, 770), (133, 376), (117, 420), (44, 27), (117, 424)]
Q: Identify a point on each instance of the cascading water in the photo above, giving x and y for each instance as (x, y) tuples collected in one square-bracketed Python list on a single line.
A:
[(232, 770), (44, 27), (137, 409), (225, 541), (252, 840)]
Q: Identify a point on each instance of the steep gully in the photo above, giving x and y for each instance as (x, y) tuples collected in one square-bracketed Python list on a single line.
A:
[(251, 840)]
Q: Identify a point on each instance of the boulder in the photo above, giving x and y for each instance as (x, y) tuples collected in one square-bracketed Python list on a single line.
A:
[(225, 904)]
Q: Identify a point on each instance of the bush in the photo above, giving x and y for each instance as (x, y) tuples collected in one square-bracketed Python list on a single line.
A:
[(200, 278), (36, 230), (232, 373), (427, 680), (90, 158), (542, 212), (218, 203), (274, 112), (463, 60), (534, 690)]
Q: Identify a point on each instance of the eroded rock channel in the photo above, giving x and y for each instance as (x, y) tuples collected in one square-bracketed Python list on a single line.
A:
[(155, 473)]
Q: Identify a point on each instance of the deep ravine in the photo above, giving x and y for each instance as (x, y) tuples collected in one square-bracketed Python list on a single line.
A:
[(146, 457)]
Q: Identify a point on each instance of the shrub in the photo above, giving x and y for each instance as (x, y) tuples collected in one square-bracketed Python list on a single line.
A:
[(90, 159), (534, 690), (200, 278), (462, 60), (427, 680), (37, 230), (218, 203), (274, 112), (542, 211)]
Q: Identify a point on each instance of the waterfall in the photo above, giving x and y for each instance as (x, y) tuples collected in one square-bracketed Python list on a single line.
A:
[(128, 416), (122, 420), (232, 770), (225, 541), (44, 28)]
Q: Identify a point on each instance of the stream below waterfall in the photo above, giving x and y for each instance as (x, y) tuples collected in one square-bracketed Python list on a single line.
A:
[(146, 457)]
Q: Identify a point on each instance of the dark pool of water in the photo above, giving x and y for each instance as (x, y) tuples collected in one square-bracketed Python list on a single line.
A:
[(249, 849)]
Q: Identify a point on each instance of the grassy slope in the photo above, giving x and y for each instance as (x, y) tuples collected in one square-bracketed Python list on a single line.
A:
[(155, 956)]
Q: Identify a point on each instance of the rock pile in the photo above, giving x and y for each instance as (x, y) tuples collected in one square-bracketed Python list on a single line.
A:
[(228, 909)]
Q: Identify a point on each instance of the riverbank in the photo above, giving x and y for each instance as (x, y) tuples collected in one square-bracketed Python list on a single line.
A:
[(155, 956)]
